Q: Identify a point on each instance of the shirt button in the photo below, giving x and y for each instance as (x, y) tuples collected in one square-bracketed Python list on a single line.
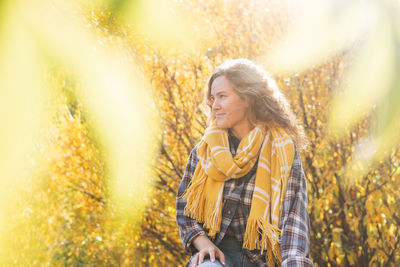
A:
[(229, 212)]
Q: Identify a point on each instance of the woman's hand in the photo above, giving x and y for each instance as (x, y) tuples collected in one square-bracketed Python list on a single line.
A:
[(206, 247)]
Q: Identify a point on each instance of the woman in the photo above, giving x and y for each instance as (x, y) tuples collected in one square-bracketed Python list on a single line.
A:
[(243, 198)]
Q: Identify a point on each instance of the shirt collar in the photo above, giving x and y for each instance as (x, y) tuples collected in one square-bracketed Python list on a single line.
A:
[(233, 140)]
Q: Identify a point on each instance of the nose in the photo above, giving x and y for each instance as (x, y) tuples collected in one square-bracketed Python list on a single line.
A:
[(215, 105)]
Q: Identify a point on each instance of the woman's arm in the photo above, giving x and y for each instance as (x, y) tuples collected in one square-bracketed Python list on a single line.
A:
[(192, 234), (189, 229), (295, 223)]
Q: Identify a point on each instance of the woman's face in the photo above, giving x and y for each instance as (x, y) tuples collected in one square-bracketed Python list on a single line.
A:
[(228, 107)]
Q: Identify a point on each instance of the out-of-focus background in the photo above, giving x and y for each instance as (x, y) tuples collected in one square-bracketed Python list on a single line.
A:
[(100, 108)]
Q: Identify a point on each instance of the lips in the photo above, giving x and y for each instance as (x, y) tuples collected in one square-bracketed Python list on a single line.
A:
[(219, 115)]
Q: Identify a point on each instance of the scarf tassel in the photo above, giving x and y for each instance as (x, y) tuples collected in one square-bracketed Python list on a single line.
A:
[(193, 195), (211, 219), (203, 209), (269, 240)]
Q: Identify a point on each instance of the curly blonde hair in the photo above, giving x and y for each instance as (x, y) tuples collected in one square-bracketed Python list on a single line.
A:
[(268, 105)]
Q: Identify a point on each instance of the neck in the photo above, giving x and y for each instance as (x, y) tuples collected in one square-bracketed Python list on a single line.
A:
[(242, 130)]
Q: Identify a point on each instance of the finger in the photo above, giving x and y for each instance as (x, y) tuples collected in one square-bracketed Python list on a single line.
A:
[(221, 257), (211, 251), (201, 256), (195, 260)]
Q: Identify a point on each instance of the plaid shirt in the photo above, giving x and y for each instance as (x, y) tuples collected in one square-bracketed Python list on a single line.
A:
[(237, 197)]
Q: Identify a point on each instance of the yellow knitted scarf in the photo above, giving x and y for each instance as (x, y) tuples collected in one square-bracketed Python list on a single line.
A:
[(274, 150)]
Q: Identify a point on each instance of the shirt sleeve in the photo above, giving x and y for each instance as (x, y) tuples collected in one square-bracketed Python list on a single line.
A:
[(188, 227), (295, 223)]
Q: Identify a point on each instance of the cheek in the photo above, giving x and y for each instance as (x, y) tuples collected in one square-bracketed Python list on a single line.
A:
[(239, 113), (235, 116)]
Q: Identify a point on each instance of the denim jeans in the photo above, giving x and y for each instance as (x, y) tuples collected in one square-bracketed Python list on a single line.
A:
[(234, 256)]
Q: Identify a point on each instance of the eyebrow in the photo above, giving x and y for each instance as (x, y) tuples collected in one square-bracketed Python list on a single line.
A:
[(218, 93)]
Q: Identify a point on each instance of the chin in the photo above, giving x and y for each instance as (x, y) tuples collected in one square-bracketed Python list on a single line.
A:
[(222, 125)]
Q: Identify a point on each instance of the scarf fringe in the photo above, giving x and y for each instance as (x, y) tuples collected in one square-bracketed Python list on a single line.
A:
[(268, 242), (203, 209), (211, 210), (193, 194)]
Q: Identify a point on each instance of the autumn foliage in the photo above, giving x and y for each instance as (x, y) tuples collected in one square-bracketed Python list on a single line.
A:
[(69, 218)]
